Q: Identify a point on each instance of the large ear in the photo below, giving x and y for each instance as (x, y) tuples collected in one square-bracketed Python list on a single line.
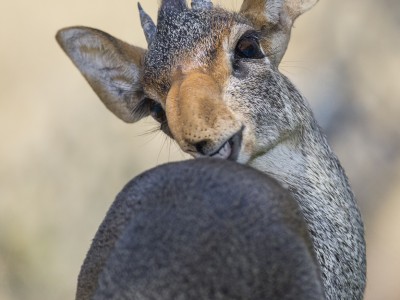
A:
[(112, 67), (275, 19)]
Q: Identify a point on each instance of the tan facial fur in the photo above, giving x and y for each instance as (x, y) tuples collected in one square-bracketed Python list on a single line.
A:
[(197, 107), (196, 111), (197, 114)]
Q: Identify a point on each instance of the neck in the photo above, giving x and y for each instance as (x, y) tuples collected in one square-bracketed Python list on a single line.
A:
[(306, 165)]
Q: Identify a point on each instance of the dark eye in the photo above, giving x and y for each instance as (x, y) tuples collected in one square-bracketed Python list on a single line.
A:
[(248, 47), (157, 112)]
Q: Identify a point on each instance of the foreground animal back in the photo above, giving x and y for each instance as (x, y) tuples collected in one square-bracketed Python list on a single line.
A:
[(204, 229)]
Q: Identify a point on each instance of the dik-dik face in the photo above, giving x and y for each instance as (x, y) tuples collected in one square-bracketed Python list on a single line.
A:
[(210, 77)]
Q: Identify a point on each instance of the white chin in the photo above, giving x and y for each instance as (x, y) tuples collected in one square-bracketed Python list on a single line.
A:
[(224, 152)]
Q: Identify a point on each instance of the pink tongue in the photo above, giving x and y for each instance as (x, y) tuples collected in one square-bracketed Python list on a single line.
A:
[(225, 152)]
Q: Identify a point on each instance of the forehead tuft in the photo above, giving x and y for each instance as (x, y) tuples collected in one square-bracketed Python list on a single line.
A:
[(181, 33)]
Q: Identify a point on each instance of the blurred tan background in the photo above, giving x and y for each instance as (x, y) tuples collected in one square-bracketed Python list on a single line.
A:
[(64, 157)]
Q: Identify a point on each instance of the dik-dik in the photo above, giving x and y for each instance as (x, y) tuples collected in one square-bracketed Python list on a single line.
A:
[(210, 78)]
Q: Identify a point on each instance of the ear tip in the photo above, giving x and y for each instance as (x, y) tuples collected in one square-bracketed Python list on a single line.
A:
[(62, 36), (65, 34)]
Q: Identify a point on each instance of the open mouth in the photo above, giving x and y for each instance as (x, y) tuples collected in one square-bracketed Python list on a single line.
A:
[(231, 148)]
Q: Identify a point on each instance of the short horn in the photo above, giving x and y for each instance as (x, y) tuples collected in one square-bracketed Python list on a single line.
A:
[(201, 4), (148, 25)]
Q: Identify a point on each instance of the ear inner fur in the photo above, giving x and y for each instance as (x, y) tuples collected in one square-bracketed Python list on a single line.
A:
[(112, 67)]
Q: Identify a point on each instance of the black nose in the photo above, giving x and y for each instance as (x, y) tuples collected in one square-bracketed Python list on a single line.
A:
[(201, 147)]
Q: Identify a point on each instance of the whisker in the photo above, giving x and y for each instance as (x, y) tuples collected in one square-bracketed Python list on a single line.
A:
[(162, 146), (150, 131), (180, 151), (169, 150)]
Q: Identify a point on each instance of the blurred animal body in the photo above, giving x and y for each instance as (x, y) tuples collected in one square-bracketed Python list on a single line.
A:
[(202, 229), (210, 78)]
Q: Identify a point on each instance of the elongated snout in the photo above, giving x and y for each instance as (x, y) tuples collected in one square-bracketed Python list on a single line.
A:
[(199, 119)]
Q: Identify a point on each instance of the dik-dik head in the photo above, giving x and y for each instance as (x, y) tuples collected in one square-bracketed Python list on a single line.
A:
[(209, 76)]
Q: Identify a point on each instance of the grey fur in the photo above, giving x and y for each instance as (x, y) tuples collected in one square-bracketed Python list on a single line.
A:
[(202, 229), (172, 5), (305, 164), (201, 4), (179, 34), (149, 28)]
